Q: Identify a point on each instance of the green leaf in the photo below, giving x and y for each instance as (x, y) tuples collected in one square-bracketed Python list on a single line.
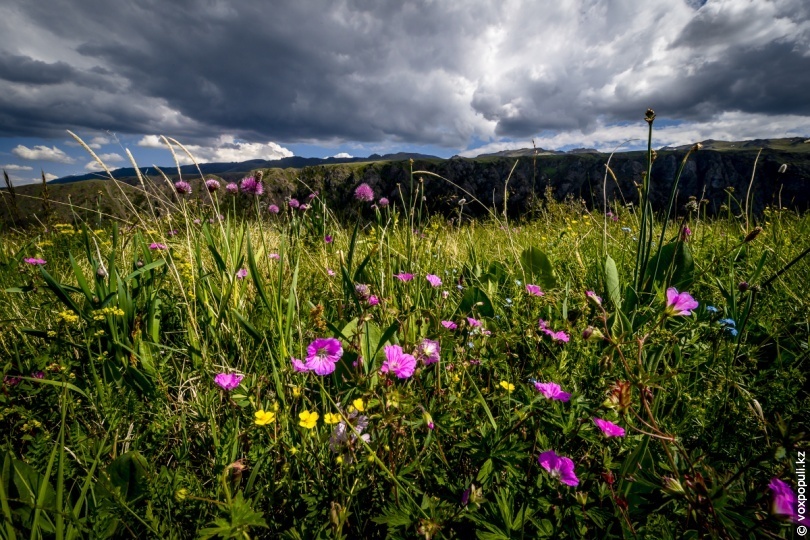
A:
[(127, 475), (144, 268), (672, 267), (612, 280), (249, 328), (472, 297), (538, 267)]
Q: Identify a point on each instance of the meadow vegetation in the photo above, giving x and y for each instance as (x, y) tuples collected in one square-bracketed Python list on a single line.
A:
[(234, 369)]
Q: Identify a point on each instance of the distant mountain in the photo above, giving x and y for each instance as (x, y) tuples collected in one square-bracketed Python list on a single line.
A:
[(522, 152), (791, 144)]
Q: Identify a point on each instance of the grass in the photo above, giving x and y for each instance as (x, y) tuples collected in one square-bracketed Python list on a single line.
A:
[(114, 426)]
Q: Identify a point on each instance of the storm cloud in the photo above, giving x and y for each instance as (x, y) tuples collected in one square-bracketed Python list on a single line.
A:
[(449, 74)]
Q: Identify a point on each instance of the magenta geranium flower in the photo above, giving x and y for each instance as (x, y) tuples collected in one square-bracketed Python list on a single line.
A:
[(609, 428), (232, 188), (556, 336), (182, 187), (323, 354), (212, 185), (404, 276), (298, 365), (427, 351), (534, 290), (552, 391), (784, 503), (373, 300), (559, 467), (157, 246), (679, 303), (251, 186), (397, 362), (450, 325), (34, 261), (475, 323), (364, 193), (435, 281), (242, 273), (228, 381)]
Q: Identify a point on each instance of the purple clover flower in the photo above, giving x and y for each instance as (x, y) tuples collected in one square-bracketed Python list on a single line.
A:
[(323, 354), (560, 467), (182, 187), (679, 303), (328, 239), (609, 428), (552, 391), (228, 381), (398, 362), (364, 193), (251, 186)]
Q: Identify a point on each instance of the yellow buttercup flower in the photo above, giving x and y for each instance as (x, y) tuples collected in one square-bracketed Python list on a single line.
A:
[(262, 417), (296, 391), (359, 404), (308, 419), (506, 385), (331, 418)]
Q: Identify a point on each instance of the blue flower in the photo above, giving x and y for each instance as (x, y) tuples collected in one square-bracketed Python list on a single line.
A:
[(727, 322), (729, 331), (713, 310)]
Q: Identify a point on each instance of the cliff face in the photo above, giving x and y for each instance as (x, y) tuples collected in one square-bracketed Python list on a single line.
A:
[(708, 174)]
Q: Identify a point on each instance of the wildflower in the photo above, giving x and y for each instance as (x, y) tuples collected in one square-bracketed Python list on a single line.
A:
[(262, 417), (450, 325), (593, 298), (251, 186), (38, 374), (427, 352), (345, 435), (509, 387), (435, 281), (404, 276), (182, 187), (445, 294), (35, 262), (592, 333), (359, 404), (308, 419), (323, 354), (428, 420), (620, 397), (11, 381), (727, 322), (784, 503), (713, 310), (330, 272), (383, 202), (534, 290), (679, 303), (293, 203), (212, 185), (555, 336), (474, 323), (273, 209), (171, 233), (742, 286), (157, 246), (686, 232), (274, 256), (552, 391), (232, 188), (328, 239), (303, 207), (609, 428), (242, 273), (363, 291), (373, 300), (560, 467), (398, 362), (298, 365), (228, 381), (364, 193), (296, 391), (331, 418)]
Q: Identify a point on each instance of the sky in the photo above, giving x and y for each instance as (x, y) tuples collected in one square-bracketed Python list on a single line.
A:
[(233, 80)]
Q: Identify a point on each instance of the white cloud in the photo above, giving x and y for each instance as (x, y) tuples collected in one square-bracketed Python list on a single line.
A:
[(107, 159), (97, 142), (13, 167), (343, 155), (27, 181), (226, 149), (43, 153), (151, 141)]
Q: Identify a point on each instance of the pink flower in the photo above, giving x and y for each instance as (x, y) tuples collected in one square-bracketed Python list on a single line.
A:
[(434, 280), (450, 325), (35, 262), (398, 362), (609, 428), (552, 391), (560, 467), (274, 256), (373, 300), (556, 336), (251, 186), (157, 246), (298, 365), (328, 239), (330, 272), (242, 273), (784, 504), (679, 303), (294, 203), (212, 185), (593, 298), (475, 323), (364, 193), (228, 381), (445, 294), (534, 290), (686, 232), (232, 188), (427, 351), (273, 209), (404, 276), (182, 187), (383, 202), (323, 354)]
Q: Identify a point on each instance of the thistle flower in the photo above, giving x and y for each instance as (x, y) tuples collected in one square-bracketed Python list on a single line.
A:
[(232, 188), (273, 209), (228, 381), (450, 325), (364, 193), (212, 185), (552, 391), (251, 186), (398, 362), (373, 300), (293, 203), (34, 261), (323, 354), (534, 290), (383, 202), (362, 290), (404, 276), (427, 352), (435, 281), (784, 503), (182, 187), (609, 428), (679, 303), (560, 467)]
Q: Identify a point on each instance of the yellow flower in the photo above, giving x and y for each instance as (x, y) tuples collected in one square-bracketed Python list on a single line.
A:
[(296, 391), (331, 418), (264, 417), (359, 404), (308, 419), (339, 460), (506, 385)]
